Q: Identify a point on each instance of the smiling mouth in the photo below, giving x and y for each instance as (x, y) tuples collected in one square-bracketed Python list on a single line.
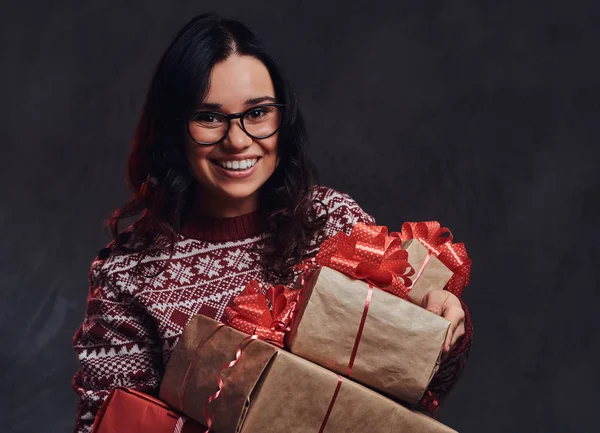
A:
[(237, 165)]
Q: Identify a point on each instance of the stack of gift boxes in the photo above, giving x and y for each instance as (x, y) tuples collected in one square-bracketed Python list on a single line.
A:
[(346, 350)]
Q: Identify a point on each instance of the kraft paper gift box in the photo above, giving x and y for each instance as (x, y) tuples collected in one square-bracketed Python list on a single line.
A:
[(400, 346), (270, 390), (435, 275)]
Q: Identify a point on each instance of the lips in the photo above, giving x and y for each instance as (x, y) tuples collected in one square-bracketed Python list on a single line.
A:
[(236, 168), (235, 164)]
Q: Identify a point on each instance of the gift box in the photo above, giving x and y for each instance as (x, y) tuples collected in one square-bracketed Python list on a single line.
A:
[(430, 273), (435, 257), (127, 410), (254, 386), (396, 352)]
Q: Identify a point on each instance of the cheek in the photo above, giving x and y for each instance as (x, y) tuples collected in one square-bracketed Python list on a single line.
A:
[(197, 160), (270, 147)]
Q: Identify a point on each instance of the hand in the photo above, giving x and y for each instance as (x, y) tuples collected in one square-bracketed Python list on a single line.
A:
[(447, 305)]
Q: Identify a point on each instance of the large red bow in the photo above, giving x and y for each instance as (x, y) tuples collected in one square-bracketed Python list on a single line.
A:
[(369, 254), (252, 314), (438, 240)]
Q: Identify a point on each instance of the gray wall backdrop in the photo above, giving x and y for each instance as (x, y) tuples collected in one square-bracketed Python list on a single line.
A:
[(483, 115)]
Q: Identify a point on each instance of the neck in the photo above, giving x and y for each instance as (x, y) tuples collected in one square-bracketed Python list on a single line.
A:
[(208, 205), (218, 220)]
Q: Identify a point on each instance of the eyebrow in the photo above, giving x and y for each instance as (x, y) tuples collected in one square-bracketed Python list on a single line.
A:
[(249, 102)]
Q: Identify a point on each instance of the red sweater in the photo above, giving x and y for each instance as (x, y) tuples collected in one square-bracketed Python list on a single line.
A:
[(132, 323)]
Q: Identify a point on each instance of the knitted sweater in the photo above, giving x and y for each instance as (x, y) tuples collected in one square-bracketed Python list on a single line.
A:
[(132, 323)]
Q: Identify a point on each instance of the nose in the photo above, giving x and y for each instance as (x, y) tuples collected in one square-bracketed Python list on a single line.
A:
[(236, 139)]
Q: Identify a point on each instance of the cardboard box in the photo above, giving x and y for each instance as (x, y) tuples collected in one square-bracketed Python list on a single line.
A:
[(399, 349), (435, 275)]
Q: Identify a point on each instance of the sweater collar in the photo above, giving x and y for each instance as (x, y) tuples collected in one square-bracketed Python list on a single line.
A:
[(222, 229)]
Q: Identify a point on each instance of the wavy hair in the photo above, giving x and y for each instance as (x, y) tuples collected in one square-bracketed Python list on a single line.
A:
[(158, 173)]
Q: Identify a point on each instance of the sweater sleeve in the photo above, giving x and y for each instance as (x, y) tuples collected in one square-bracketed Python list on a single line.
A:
[(114, 345), (450, 369), (343, 213)]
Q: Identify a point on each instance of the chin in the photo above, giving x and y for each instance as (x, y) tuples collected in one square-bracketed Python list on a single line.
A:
[(240, 192)]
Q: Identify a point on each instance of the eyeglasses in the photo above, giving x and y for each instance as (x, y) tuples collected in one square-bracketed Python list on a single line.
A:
[(210, 127)]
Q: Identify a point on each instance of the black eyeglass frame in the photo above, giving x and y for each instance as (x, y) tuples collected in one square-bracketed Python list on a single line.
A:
[(233, 116)]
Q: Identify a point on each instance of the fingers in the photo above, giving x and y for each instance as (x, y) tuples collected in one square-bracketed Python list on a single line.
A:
[(434, 301), (456, 316), (448, 339), (448, 306), (460, 331)]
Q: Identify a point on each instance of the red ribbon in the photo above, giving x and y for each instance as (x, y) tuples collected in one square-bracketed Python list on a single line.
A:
[(438, 241), (192, 364), (238, 356), (361, 328), (305, 268), (180, 424), (185, 382), (423, 266), (252, 314), (371, 255), (331, 403)]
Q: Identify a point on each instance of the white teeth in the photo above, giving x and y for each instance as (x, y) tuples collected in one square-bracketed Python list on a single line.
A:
[(238, 165)]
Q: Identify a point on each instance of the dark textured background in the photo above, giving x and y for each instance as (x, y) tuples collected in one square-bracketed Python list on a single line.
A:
[(482, 116)]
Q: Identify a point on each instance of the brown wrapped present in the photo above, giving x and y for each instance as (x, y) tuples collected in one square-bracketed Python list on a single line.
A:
[(437, 240), (272, 391), (400, 346), (432, 273)]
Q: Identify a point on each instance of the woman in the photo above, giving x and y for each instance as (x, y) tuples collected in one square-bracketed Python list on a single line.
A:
[(221, 176)]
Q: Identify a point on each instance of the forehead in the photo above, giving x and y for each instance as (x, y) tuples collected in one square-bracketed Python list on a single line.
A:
[(237, 79)]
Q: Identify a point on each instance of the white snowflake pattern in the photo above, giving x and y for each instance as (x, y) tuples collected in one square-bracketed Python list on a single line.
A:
[(208, 266), (238, 259), (181, 273), (126, 282), (160, 280)]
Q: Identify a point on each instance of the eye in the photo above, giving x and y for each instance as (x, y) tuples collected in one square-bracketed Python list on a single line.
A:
[(206, 118), (257, 113)]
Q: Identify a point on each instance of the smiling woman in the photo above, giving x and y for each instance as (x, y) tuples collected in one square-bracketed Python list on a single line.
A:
[(224, 192)]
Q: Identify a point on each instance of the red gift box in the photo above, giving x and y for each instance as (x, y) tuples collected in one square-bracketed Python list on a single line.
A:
[(127, 411)]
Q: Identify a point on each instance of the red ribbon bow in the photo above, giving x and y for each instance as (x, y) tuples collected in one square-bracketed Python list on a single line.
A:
[(252, 314), (369, 254), (438, 241)]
